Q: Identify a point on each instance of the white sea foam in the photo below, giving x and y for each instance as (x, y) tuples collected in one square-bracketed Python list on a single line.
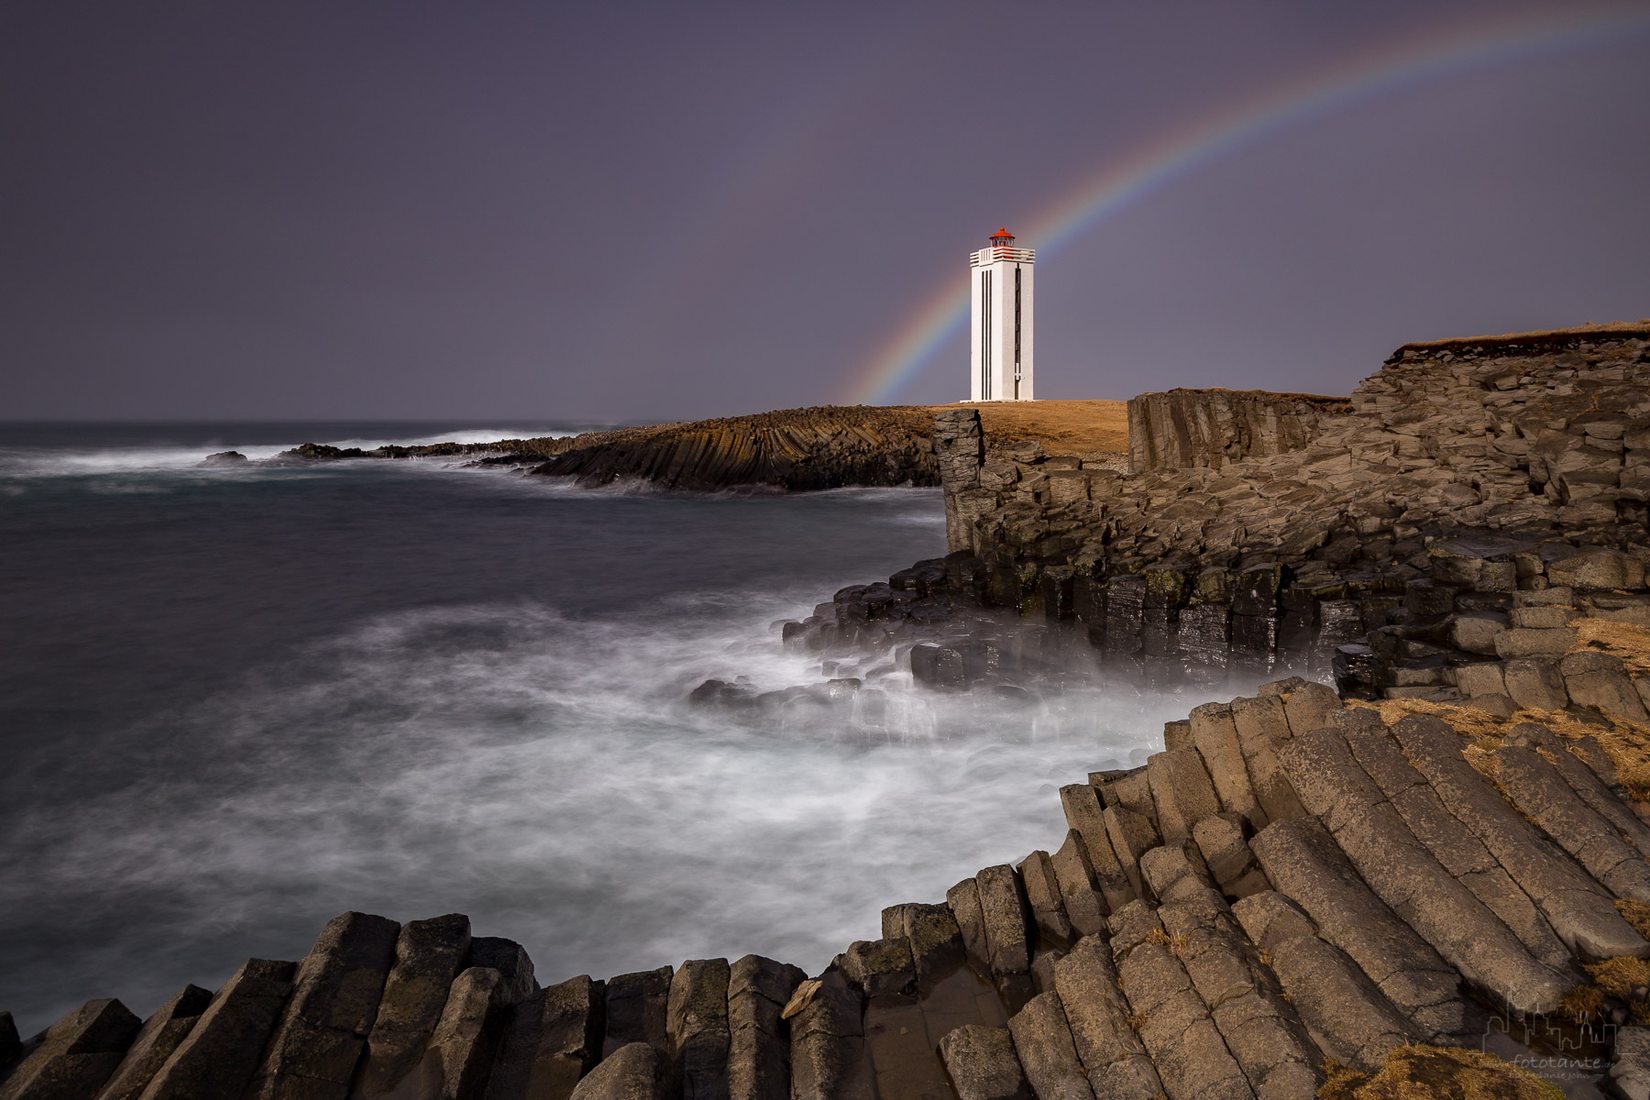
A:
[(544, 775), (27, 463)]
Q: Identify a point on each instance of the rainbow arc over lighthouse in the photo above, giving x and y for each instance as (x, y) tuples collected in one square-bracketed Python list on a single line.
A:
[(1382, 70)]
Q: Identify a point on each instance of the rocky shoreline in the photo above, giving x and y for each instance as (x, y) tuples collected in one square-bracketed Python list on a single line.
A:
[(1437, 870), (1293, 894), (795, 450)]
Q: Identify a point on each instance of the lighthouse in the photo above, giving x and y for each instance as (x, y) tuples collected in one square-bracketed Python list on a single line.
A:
[(999, 286)]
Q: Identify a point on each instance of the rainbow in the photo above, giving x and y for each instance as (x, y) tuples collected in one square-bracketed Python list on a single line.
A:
[(1379, 71)]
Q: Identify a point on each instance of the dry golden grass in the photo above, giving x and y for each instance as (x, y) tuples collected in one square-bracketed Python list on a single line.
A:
[(1624, 640), (1605, 328), (1582, 1003), (1419, 1072), (1620, 975), (1063, 427), (1635, 913), (1627, 743), (1466, 720)]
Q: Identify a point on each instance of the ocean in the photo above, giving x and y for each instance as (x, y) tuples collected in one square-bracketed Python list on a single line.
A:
[(235, 702)]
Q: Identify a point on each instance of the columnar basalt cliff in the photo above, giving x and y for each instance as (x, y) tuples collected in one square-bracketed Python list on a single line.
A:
[(1181, 428), (821, 448), (1464, 470)]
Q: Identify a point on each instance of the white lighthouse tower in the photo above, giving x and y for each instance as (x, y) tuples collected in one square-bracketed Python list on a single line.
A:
[(1000, 288)]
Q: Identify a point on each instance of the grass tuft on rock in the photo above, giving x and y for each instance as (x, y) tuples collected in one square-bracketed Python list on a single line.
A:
[(1627, 641), (1635, 913), (1582, 1003), (1421, 1072), (1621, 975), (1627, 743)]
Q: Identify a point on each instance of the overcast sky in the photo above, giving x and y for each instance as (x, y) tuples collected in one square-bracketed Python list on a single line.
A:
[(617, 210)]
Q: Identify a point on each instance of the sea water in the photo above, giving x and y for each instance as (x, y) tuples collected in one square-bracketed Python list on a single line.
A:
[(236, 701)]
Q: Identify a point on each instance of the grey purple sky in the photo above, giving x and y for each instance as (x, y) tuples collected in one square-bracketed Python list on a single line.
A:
[(626, 210)]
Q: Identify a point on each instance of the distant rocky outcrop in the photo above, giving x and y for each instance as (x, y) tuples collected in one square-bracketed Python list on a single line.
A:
[(796, 449), (1182, 428), (825, 447), (224, 458)]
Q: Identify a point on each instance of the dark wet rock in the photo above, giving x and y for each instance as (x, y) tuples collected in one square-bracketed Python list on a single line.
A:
[(759, 1047), (1042, 892), (510, 959), (633, 1072), (10, 1045), (220, 1053), (636, 1010), (1043, 1044), (1211, 428), (1003, 910), (1175, 1026), (549, 1041), (938, 666), (334, 1003), (1086, 906), (161, 1034), (75, 1056), (1181, 791), (459, 1058), (1453, 844), (316, 452), (1543, 795), (934, 936), (1579, 910), (224, 458), (879, 967), (982, 1064), (696, 1023), (828, 1060), (1600, 680), (721, 692), (1406, 875), (1346, 1014), (1304, 863), (428, 956)]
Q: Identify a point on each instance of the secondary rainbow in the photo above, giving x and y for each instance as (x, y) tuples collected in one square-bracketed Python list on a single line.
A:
[(1389, 68)]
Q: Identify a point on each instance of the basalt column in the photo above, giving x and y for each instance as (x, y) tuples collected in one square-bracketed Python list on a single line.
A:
[(959, 449)]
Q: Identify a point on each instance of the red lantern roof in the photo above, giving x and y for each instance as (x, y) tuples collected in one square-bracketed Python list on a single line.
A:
[(1002, 234)]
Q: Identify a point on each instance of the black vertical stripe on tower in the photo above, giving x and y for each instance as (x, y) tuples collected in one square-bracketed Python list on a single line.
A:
[(1016, 332)]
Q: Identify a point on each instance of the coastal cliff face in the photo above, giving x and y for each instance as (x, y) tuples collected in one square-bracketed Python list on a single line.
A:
[(1466, 471), (1183, 428), (798, 449)]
